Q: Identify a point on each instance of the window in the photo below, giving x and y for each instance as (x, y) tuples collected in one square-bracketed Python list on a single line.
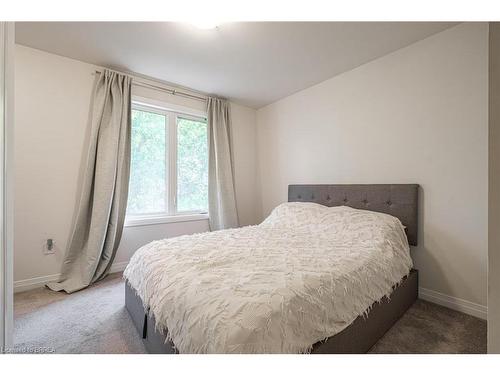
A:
[(169, 165)]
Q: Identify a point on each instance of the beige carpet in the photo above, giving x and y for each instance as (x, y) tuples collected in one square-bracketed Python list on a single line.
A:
[(95, 321)]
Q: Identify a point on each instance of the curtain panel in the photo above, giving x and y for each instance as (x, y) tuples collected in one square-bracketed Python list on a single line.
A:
[(101, 211), (221, 195)]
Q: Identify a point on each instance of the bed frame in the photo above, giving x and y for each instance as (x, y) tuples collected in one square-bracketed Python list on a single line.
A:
[(399, 200)]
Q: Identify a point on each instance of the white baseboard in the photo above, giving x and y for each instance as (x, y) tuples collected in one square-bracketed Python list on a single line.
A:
[(118, 267), (38, 282), (33, 283), (454, 303)]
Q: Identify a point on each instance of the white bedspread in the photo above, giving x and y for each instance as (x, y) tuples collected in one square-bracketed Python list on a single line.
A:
[(301, 276)]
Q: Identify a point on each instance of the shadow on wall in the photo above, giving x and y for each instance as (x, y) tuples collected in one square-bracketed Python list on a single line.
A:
[(428, 247)]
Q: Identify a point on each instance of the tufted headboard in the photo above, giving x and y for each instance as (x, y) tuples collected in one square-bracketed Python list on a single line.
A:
[(399, 200)]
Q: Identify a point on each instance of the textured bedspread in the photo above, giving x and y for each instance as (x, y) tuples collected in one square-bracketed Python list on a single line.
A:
[(301, 276)]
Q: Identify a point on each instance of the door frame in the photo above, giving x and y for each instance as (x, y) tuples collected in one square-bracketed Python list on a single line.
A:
[(6, 184)]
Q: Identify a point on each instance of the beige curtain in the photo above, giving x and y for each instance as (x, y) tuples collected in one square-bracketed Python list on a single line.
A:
[(101, 212), (221, 197)]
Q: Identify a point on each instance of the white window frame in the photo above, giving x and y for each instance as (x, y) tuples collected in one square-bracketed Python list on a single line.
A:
[(171, 112)]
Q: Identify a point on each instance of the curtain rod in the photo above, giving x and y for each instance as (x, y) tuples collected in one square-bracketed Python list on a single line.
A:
[(160, 88)]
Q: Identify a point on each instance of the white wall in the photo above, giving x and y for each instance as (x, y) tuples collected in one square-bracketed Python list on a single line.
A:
[(52, 99), (418, 115)]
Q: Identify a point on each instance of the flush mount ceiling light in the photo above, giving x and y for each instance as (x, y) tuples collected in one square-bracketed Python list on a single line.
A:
[(205, 24)]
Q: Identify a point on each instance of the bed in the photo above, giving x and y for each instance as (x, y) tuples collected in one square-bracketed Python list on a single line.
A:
[(328, 272)]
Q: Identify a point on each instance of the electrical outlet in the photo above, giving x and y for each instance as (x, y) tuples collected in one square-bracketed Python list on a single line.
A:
[(49, 247)]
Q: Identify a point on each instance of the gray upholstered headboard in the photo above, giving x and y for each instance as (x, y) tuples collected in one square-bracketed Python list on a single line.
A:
[(399, 200)]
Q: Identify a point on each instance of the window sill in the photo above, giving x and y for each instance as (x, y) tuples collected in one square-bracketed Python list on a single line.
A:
[(154, 220)]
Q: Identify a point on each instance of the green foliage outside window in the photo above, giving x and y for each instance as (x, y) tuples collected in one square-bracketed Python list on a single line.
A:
[(147, 169), (192, 165)]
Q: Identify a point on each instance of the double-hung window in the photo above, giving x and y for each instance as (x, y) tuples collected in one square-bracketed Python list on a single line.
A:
[(169, 165)]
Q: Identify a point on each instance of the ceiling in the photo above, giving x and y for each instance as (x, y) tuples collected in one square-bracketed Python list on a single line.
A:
[(253, 63)]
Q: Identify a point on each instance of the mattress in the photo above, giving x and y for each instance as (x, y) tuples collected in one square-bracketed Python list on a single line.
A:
[(303, 275)]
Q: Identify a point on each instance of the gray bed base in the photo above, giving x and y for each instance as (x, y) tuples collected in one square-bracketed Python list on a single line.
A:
[(357, 338), (399, 200)]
